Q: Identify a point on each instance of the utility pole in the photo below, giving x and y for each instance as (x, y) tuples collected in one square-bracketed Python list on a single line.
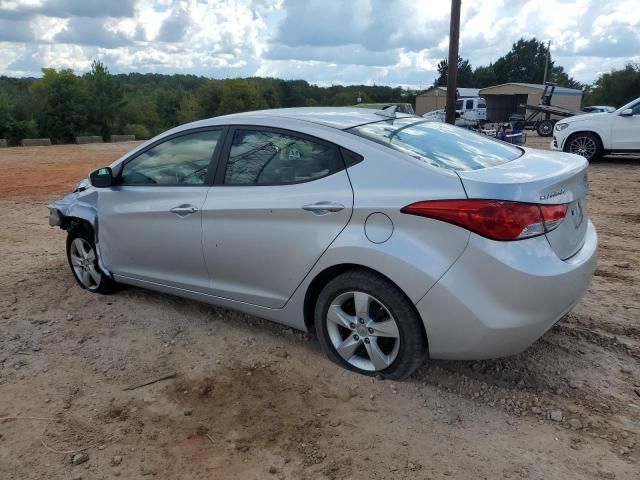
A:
[(546, 63), (452, 71)]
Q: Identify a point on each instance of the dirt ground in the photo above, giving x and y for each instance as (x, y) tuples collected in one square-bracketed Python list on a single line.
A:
[(255, 400)]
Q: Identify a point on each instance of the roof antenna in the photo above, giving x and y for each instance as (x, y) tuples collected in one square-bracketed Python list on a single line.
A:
[(389, 112)]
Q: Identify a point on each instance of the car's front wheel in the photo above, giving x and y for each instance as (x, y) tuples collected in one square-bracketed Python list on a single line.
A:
[(83, 260), (585, 144), (366, 324)]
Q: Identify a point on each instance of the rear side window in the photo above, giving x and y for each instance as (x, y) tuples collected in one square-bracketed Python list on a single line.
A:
[(271, 158), (439, 144), (469, 104), (482, 105)]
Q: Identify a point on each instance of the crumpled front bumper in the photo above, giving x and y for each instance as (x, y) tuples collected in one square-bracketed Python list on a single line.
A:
[(81, 203), (55, 218)]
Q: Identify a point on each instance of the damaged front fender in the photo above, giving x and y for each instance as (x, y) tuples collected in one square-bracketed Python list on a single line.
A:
[(81, 204)]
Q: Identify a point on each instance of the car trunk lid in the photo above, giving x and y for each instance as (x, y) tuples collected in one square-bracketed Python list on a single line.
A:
[(545, 178)]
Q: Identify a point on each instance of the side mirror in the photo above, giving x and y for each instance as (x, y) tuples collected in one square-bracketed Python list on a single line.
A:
[(627, 113), (102, 177)]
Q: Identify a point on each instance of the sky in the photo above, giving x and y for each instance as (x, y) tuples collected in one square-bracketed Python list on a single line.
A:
[(383, 42)]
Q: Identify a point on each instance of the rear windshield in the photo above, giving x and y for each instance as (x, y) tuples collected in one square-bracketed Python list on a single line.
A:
[(439, 144)]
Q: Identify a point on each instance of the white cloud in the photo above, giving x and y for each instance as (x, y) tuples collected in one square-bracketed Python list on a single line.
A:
[(395, 42)]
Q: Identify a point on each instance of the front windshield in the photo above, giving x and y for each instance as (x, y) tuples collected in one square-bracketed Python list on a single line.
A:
[(439, 144)]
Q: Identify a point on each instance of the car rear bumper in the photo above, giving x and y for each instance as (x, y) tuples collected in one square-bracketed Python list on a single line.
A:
[(500, 297)]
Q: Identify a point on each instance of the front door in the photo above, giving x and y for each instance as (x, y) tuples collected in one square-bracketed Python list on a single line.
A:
[(279, 202), (150, 223), (625, 133)]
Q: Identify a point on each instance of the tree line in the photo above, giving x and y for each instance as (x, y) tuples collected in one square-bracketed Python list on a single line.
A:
[(62, 105)]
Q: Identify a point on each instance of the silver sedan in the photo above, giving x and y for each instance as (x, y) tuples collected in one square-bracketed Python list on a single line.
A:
[(391, 236)]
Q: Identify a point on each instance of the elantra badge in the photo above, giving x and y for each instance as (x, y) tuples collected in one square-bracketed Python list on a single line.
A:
[(549, 195)]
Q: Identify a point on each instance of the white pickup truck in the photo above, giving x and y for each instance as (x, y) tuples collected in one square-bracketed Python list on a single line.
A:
[(595, 134)]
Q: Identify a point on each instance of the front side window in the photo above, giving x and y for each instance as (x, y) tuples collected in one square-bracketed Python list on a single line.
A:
[(271, 158), (439, 144), (182, 160)]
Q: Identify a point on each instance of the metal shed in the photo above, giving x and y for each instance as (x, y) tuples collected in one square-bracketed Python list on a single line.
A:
[(435, 98), (503, 100)]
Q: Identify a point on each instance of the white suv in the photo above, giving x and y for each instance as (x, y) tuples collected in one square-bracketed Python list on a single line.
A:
[(595, 134)]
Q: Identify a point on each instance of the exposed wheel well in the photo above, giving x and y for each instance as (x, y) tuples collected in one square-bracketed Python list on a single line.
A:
[(319, 282), (69, 223), (575, 134)]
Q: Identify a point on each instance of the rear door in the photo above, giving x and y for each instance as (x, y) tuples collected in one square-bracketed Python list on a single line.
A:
[(279, 201), (150, 223)]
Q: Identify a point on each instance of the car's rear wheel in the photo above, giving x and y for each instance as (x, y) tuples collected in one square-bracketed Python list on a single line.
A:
[(367, 325), (585, 144), (83, 260)]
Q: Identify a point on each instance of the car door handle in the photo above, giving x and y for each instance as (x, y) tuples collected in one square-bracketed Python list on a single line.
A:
[(323, 208), (184, 210)]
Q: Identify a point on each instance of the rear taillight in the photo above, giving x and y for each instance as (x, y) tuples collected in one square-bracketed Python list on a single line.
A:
[(553, 215), (494, 219)]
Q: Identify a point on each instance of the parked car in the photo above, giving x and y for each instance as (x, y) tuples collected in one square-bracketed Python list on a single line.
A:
[(400, 107), (593, 135), (599, 109), (470, 112), (436, 115), (392, 238)]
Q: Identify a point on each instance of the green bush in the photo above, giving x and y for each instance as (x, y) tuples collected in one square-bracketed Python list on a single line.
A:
[(22, 129), (140, 131)]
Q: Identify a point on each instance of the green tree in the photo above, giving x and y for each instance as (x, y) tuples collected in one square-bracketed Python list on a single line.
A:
[(140, 109), (167, 101), (62, 97), (465, 74), (23, 129), (209, 96), (525, 63), (190, 109), (484, 76), (240, 95), (350, 97), (6, 117), (139, 131), (616, 88), (105, 95)]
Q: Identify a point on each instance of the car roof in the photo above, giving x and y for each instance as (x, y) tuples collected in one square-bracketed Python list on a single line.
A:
[(336, 117)]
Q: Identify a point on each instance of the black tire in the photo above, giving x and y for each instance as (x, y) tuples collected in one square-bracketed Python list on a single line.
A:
[(104, 285), (586, 144), (412, 349), (545, 128)]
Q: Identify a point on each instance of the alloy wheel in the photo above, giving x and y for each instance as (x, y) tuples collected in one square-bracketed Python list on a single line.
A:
[(83, 262), (584, 146), (363, 331), (545, 129)]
